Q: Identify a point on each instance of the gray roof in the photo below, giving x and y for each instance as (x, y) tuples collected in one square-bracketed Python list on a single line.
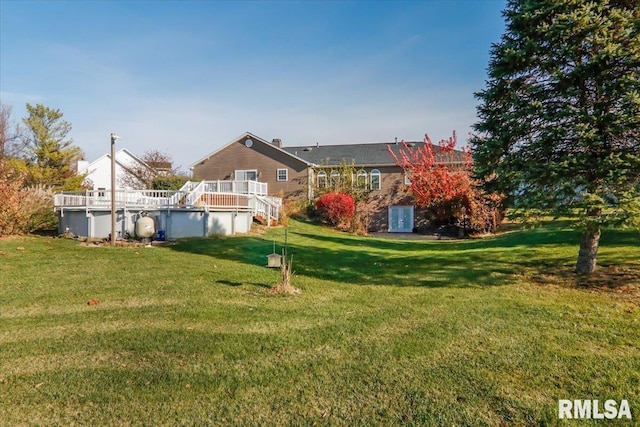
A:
[(370, 154)]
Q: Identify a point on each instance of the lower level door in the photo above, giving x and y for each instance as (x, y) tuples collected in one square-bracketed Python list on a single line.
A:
[(400, 219)]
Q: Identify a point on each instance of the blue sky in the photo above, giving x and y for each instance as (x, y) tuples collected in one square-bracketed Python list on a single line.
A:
[(186, 77)]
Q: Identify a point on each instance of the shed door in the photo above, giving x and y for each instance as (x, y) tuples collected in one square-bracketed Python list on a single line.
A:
[(400, 219)]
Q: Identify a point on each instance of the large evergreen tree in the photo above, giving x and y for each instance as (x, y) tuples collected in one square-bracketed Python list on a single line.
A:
[(49, 155), (559, 119)]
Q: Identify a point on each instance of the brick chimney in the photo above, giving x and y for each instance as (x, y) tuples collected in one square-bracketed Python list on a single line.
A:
[(277, 142)]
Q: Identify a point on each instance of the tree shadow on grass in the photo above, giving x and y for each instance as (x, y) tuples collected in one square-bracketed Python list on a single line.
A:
[(606, 278), (510, 240), (342, 258), (234, 284), (368, 262), (547, 235)]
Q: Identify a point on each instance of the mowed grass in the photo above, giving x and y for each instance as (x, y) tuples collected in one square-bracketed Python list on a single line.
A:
[(385, 332)]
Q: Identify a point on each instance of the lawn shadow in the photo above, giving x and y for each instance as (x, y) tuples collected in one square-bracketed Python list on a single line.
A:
[(541, 236), (606, 278), (363, 261), (343, 258), (235, 284), (229, 283)]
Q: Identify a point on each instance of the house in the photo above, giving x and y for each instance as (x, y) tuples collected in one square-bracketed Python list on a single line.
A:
[(299, 171), (99, 171)]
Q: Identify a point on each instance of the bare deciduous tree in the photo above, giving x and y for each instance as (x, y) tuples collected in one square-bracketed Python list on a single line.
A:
[(157, 172), (10, 133)]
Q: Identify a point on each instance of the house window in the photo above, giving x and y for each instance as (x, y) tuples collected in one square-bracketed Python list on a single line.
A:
[(101, 191), (322, 179), (335, 177), (361, 179), (246, 175), (283, 174), (375, 179), (407, 178)]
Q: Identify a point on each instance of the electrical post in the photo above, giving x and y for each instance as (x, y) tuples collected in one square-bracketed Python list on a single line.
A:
[(113, 188)]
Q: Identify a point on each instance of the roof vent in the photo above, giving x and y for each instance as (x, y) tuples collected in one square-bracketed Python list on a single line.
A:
[(307, 148)]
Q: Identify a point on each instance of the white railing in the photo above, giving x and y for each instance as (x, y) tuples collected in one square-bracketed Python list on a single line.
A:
[(188, 186), (180, 196), (268, 208), (227, 202), (193, 195), (247, 196), (133, 198), (236, 187)]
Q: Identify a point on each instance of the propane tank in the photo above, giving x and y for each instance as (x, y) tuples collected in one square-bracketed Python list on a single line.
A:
[(145, 227)]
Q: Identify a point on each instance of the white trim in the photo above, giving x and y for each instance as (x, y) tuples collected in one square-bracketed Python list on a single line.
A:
[(402, 227), (322, 174), (378, 174), (244, 173), (242, 138), (334, 177), (407, 178), (362, 179), (108, 156), (286, 174), (97, 173)]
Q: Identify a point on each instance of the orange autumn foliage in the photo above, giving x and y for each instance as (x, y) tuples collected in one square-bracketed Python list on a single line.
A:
[(441, 182)]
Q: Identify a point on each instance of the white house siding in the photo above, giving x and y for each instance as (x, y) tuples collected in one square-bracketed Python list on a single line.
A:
[(99, 171)]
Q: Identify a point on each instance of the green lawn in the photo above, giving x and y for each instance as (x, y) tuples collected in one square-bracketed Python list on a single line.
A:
[(385, 332)]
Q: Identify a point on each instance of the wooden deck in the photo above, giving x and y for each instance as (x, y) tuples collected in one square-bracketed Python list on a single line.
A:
[(239, 196)]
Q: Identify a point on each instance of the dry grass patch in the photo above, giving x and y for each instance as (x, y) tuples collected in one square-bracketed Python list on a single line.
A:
[(285, 284), (622, 280)]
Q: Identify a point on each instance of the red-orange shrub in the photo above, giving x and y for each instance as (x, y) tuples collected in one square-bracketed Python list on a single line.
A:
[(336, 209), (23, 210)]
